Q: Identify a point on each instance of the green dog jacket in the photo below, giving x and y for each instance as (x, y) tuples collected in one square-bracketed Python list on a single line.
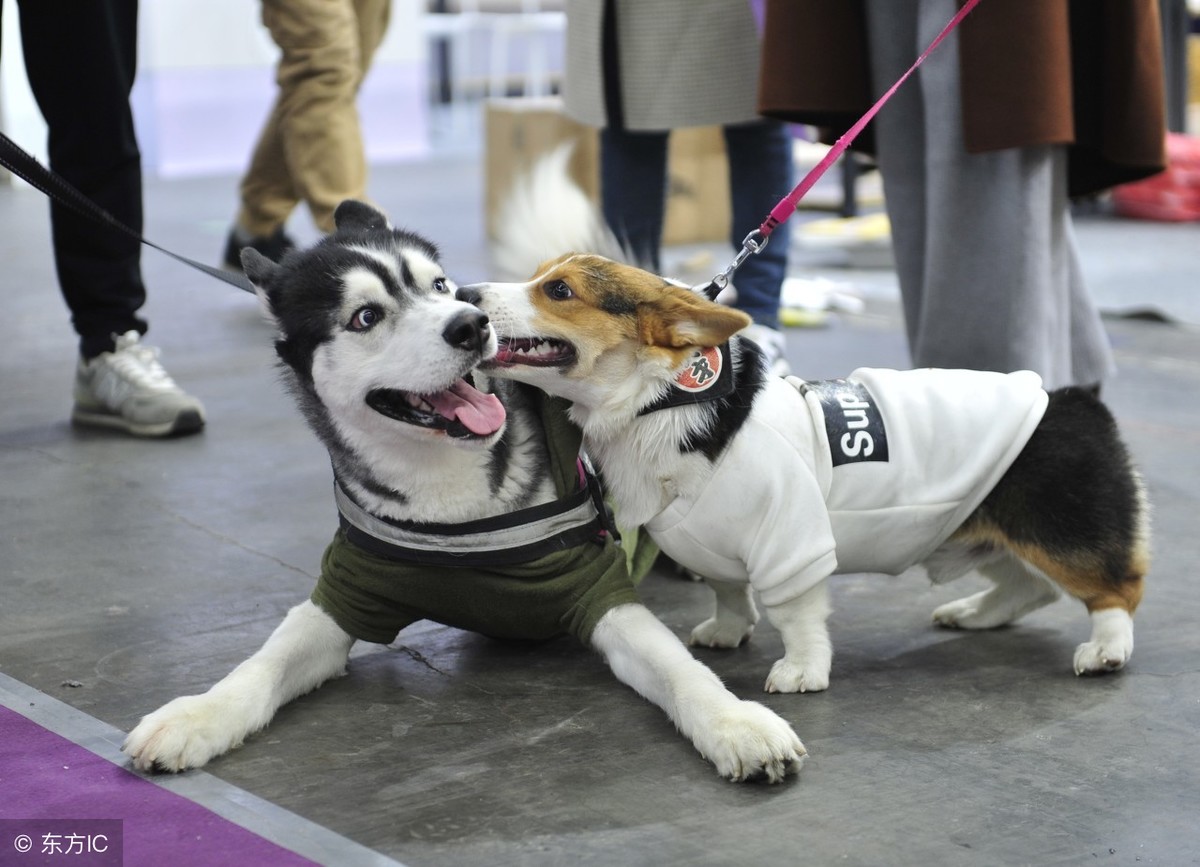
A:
[(372, 596)]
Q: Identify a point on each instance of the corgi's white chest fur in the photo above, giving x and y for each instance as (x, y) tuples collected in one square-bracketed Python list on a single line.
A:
[(648, 441)]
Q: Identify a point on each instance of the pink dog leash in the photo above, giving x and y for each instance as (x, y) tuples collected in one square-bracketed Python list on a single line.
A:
[(757, 239)]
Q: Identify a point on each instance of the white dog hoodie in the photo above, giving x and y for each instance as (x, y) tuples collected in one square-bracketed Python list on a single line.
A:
[(867, 474)]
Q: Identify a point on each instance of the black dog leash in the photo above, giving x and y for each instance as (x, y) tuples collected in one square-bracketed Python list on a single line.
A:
[(24, 166)]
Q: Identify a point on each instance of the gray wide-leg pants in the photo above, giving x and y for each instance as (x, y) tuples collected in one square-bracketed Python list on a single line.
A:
[(984, 245)]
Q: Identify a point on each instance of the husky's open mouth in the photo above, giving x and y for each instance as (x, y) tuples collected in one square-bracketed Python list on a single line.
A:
[(461, 411), (532, 351)]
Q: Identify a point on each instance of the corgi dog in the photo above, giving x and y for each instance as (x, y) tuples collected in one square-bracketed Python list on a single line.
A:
[(770, 485)]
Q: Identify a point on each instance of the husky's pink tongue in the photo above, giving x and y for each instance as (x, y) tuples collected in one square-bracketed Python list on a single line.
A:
[(482, 414)]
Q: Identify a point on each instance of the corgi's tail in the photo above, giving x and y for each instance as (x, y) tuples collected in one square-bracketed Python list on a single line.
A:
[(546, 215)]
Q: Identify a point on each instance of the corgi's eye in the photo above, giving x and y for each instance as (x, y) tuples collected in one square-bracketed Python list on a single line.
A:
[(558, 290), (442, 285), (365, 319)]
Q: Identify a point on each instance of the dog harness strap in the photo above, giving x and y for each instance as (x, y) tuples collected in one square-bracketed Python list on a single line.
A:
[(510, 538), (708, 376)]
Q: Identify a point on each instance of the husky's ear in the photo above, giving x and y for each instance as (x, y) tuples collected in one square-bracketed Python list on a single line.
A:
[(355, 216), (260, 270), (680, 318)]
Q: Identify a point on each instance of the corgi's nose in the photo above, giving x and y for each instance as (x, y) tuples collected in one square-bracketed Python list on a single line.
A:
[(470, 294), (467, 330)]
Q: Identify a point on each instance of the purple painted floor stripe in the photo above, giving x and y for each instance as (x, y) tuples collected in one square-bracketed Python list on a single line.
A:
[(44, 776)]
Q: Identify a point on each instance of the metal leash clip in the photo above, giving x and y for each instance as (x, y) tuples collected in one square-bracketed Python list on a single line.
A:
[(751, 244)]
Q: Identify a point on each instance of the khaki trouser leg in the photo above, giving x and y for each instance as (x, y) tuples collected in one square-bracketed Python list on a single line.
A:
[(311, 148)]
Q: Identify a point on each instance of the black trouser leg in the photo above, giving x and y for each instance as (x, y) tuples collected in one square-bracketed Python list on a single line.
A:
[(81, 58)]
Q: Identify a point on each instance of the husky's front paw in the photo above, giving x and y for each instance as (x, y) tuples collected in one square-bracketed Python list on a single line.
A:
[(789, 675), (750, 742), (721, 632), (184, 733)]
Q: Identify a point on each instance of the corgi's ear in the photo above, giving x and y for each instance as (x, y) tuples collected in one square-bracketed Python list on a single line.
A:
[(680, 318), (355, 216)]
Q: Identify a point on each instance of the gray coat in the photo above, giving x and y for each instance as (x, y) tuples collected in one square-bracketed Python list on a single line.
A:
[(682, 62)]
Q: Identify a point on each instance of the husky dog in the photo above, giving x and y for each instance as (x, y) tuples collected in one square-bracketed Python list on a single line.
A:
[(432, 471), (765, 484)]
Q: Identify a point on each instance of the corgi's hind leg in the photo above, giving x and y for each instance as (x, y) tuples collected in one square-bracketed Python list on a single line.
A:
[(1016, 590), (1111, 603), (1111, 593), (733, 621), (1111, 643), (1074, 507)]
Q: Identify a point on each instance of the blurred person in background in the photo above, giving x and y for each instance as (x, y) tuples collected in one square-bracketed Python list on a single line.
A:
[(311, 148), (637, 70), (81, 59)]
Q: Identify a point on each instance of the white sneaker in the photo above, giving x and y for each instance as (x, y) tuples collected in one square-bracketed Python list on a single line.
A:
[(773, 346), (129, 390)]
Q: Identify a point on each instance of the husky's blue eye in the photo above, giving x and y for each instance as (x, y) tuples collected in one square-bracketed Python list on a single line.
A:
[(439, 285), (364, 319), (558, 290)]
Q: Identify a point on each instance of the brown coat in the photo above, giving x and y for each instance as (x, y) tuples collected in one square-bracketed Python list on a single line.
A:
[(1087, 73)]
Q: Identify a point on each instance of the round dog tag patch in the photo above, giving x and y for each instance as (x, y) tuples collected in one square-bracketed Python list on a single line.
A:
[(703, 371)]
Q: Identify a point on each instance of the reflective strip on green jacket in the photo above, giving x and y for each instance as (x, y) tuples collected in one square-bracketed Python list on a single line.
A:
[(373, 597)]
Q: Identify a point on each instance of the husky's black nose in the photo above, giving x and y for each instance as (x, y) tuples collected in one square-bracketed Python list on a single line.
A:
[(467, 330), (469, 294)]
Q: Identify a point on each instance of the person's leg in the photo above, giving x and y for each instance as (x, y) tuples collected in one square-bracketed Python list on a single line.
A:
[(633, 190), (1091, 360), (266, 191), (984, 248), (1003, 289), (900, 139), (760, 174), (81, 60), (373, 17), (633, 165), (319, 74), (311, 146)]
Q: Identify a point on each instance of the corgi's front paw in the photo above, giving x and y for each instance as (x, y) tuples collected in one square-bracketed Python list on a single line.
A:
[(750, 742), (790, 675), (184, 733)]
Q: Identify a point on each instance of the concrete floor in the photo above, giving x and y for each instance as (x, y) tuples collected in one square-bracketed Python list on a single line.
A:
[(147, 570)]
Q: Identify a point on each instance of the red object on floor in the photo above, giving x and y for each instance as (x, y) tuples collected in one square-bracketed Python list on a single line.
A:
[(1171, 196)]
